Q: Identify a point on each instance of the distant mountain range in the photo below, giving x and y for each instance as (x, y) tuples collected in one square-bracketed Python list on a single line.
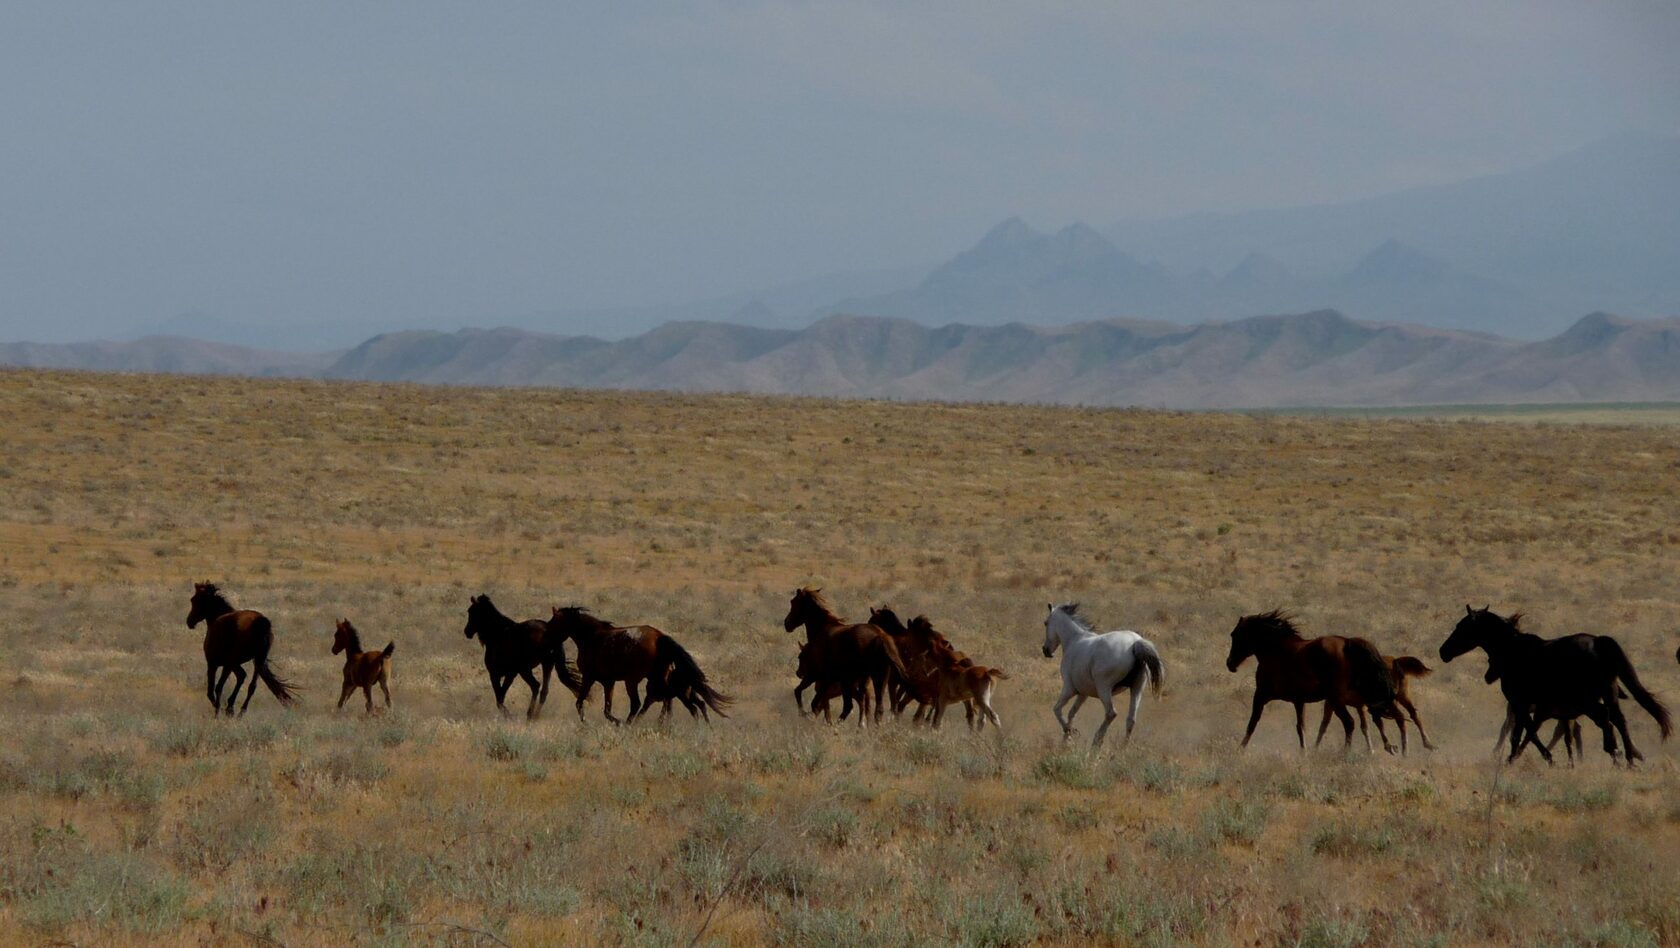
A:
[(1313, 359), (1519, 254)]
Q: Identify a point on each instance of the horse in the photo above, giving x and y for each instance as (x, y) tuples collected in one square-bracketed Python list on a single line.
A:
[(233, 637), (915, 650), (1568, 731), (849, 655), (1401, 669), (1561, 678), (607, 654), (362, 669), (1098, 666), (956, 678), (1342, 672), (512, 649)]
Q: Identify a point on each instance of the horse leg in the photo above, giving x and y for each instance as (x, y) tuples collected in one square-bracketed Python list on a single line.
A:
[(1056, 709), (583, 693), (1378, 721), (606, 706), (1347, 727), (1505, 729), (1254, 716), (1323, 725), (1067, 730), (630, 688), (210, 686), (384, 689), (367, 691), (880, 694), (799, 696), (344, 694), (1132, 710), (1411, 709), (1609, 719), (221, 688), (1301, 724), (938, 711), (1400, 721), (238, 680), (534, 708), (1107, 699)]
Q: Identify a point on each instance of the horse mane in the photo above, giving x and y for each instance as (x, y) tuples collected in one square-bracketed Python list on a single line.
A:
[(886, 619), (820, 601), (1277, 622), (1071, 610), (213, 597)]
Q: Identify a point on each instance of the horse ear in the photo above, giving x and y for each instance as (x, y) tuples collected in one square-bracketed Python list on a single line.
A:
[(1050, 607), (1488, 607), (1468, 611)]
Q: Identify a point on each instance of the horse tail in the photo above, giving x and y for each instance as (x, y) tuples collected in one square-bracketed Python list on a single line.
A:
[(1623, 669), (1143, 651), (688, 675), (392, 647), (1369, 675), (997, 673), (889, 649), (1411, 667), (283, 689)]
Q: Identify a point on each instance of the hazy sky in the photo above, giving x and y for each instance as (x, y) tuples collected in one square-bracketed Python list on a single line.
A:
[(413, 162)]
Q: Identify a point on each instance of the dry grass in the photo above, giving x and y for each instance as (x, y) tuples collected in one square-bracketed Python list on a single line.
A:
[(131, 815)]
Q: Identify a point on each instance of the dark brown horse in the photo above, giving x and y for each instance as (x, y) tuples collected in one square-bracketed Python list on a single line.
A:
[(851, 656), (1339, 671), (512, 649), (362, 669), (608, 653), (233, 637)]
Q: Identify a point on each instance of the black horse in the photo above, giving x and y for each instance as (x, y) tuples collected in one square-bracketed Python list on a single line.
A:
[(1561, 678), (514, 648)]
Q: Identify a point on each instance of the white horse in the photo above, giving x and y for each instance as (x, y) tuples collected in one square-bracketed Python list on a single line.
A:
[(1097, 666)]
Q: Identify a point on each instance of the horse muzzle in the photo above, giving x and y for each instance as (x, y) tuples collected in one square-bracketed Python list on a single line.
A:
[(1048, 653)]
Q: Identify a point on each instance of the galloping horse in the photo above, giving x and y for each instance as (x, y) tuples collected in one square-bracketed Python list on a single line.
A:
[(233, 637), (1341, 672), (850, 656), (513, 649), (1098, 666), (607, 653), (1561, 678), (362, 669)]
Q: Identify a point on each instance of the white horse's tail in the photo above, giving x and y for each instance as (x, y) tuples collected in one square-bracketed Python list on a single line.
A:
[(1145, 657)]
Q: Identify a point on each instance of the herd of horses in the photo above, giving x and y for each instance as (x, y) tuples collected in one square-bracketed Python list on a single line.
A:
[(887, 663)]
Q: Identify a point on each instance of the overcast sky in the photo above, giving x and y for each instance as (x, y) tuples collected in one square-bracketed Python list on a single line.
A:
[(411, 162)]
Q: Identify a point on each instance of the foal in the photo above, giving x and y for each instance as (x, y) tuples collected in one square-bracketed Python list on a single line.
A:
[(362, 669)]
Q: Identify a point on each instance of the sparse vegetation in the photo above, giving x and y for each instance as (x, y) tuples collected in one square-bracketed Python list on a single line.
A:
[(133, 816)]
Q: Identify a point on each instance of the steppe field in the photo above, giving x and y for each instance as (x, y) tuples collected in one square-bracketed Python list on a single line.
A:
[(128, 814)]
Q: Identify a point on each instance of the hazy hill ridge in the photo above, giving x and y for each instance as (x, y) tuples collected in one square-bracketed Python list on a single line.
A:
[(1319, 358)]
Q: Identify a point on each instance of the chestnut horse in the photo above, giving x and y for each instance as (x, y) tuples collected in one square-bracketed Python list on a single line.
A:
[(850, 656), (1401, 669), (362, 669), (514, 648), (1341, 672), (607, 653), (956, 678), (233, 637)]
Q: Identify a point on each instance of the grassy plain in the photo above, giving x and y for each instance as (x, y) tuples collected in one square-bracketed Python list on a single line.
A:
[(131, 816)]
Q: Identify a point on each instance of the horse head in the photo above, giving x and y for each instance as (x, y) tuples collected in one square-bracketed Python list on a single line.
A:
[(207, 604), (345, 637), (1052, 637), (1474, 631), (806, 604), (887, 620), (1252, 631), (479, 612)]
